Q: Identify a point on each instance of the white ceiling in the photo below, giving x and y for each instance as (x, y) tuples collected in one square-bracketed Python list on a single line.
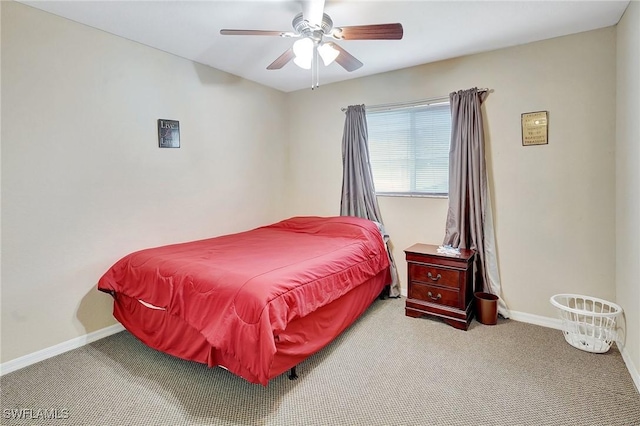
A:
[(433, 30)]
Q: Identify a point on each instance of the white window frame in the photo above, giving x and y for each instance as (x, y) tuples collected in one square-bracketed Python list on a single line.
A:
[(391, 107)]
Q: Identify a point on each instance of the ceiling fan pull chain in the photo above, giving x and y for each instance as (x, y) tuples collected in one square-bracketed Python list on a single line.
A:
[(316, 63), (312, 74)]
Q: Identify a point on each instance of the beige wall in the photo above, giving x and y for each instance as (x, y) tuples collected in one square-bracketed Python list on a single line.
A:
[(628, 180), (554, 205), (83, 179)]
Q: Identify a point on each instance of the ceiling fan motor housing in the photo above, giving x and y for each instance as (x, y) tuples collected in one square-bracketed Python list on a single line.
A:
[(304, 28)]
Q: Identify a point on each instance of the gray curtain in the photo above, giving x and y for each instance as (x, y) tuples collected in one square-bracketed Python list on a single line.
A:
[(470, 218), (358, 192)]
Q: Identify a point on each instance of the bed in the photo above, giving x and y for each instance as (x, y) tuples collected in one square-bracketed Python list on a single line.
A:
[(257, 302)]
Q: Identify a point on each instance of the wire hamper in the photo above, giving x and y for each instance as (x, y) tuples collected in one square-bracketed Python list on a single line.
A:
[(588, 323)]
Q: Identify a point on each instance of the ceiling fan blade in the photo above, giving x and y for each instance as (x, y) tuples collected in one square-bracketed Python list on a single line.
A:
[(369, 32), (312, 11), (282, 60), (345, 59), (258, 32)]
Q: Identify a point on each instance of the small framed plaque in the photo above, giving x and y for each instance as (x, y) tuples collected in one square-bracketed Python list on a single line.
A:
[(168, 133), (534, 128)]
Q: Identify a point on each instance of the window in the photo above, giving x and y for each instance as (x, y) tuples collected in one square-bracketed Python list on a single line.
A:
[(409, 149)]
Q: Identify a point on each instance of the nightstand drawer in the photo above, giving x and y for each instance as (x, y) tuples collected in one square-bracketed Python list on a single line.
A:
[(434, 294), (433, 275)]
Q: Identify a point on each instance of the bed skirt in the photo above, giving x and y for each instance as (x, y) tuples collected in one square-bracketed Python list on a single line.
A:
[(302, 338)]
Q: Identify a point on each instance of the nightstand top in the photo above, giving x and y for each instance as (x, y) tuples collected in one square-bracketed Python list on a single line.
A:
[(432, 250)]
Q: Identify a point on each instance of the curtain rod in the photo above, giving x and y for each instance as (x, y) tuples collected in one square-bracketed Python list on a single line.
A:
[(411, 104)]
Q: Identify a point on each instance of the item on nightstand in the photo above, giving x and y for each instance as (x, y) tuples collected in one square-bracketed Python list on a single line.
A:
[(486, 308), (452, 251), (588, 323)]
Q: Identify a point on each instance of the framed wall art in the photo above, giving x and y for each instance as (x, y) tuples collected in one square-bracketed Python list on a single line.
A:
[(168, 133), (535, 130)]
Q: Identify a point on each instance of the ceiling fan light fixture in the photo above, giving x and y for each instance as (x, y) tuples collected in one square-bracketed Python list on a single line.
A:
[(328, 53), (304, 63), (303, 49)]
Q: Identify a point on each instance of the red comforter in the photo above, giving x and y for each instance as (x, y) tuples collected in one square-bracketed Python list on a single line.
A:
[(241, 290)]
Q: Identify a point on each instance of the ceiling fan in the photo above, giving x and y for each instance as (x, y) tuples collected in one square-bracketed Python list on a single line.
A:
[(311, 28)]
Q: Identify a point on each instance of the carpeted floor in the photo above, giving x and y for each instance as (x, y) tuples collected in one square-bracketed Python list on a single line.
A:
[(387, 369)]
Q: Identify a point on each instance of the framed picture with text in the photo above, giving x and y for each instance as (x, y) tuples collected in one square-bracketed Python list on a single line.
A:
[(168, 133), (535, 130)]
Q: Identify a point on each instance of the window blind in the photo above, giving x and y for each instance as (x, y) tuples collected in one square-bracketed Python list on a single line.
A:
[(409, 149)]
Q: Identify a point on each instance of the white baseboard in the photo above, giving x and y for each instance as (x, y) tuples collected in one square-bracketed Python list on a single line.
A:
[(632, 368), (536, 319), (557, 324), (41, 355)]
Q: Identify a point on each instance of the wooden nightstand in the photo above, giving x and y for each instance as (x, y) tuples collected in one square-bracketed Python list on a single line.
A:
[(440, 285)]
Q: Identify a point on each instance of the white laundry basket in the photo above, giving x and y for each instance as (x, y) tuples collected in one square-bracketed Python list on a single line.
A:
[(588, 323)]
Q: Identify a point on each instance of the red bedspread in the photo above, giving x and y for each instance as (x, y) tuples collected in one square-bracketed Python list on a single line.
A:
[(241, 290)]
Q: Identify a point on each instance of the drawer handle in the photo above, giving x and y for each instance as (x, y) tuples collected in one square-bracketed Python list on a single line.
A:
[(434, 298), (434, 279)]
